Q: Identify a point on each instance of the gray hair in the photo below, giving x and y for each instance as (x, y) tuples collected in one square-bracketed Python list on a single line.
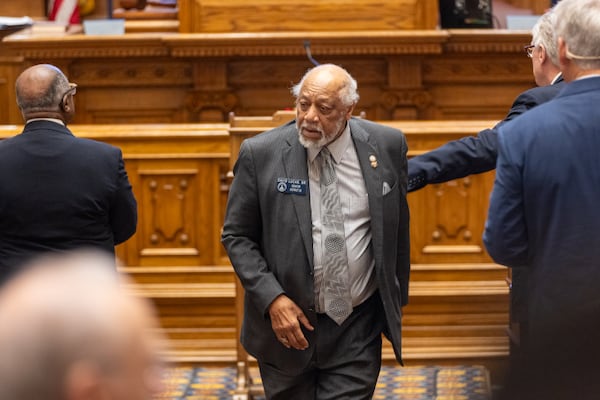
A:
[(349, 92), (577, 22), (543, 34)]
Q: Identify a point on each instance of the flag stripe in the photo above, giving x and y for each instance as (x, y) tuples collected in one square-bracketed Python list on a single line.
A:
[(63, 10)]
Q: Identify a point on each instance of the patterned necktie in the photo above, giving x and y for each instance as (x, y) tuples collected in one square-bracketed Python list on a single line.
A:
[(336, 287)]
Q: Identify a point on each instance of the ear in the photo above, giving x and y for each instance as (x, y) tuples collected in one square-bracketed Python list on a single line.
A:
[(562, 53), (349, 112), (64, 105), (541, 54)]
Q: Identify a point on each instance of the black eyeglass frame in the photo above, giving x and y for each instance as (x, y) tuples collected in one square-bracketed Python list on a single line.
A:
[(529, 50)]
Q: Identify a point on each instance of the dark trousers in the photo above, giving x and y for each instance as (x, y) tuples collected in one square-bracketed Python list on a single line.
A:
[(345, 364)]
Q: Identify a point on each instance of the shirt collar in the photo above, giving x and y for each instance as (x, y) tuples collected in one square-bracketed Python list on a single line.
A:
[(588, 76), (557, 77), (58, 121)]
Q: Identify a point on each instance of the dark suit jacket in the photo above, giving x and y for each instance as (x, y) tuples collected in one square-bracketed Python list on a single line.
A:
[(268, 234), (472, 154), (59, 192), (544, 210)]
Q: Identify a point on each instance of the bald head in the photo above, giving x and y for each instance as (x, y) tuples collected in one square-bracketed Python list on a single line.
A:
[(335, 79), (69, 330), (40, 90)]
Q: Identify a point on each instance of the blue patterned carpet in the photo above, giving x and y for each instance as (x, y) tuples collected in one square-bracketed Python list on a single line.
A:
[(397, 383)]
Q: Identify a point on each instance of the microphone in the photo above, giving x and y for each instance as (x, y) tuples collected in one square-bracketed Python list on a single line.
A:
[(308, 53)]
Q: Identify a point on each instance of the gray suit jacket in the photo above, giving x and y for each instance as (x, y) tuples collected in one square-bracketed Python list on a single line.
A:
[(268, 236)]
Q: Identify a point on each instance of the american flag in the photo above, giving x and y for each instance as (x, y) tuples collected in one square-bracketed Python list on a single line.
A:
[(64, 11)]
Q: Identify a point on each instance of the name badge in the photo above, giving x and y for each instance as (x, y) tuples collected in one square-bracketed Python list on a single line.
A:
[(292, 186)]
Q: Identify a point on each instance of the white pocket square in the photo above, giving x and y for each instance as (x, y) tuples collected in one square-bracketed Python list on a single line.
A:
[(386, 188)]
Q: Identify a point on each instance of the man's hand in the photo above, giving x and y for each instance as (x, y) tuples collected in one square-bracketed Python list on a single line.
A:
[(286, 318)]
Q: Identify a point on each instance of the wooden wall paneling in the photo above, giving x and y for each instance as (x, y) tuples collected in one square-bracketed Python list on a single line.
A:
[(31, 8), (474, 78), (134, 91), (211, 98), (173, 210), (159, 78), (287, 15), (176, 171), (451, 221), (195, 308), (458, 297), (405, 97), (536, 6), (450, 216), (8, 109), (178, 200)]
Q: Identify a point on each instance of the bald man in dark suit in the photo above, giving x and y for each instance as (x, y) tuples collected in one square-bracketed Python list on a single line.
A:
[(57, 191)]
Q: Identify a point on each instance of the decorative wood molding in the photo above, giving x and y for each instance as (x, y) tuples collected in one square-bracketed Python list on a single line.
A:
[(486, 41), (478, 70), (136, 72), (292, 43), (83, 46)]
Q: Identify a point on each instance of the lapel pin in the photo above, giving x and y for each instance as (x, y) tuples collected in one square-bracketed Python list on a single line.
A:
[(373, 161)]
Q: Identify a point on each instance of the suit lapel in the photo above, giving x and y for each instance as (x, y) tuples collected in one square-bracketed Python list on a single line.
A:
[(368, 157), (294, 161)]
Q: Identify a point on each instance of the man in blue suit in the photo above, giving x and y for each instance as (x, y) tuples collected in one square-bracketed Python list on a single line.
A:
[(477, 154), (544, 210)]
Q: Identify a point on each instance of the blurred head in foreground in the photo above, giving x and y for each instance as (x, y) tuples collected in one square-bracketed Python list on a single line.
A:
[(69, 331)]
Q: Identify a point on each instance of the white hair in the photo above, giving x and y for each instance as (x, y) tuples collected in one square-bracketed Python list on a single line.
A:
[(577, 22), (349, 92), (543, 34)]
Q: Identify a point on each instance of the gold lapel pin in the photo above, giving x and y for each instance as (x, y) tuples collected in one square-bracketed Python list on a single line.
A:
[(373, 161)]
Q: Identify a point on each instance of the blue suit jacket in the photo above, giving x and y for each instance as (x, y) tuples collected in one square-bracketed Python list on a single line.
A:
[(472, 154), (268, 234), (544, 210)]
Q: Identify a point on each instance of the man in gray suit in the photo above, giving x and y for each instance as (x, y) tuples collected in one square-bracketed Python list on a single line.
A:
[(275, 235)]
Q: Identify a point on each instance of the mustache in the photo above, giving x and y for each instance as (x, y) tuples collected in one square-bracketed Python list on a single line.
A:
[(311, 127)]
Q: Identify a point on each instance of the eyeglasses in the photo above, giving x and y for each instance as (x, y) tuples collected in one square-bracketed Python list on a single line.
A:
[(72, 90), (529, 50)]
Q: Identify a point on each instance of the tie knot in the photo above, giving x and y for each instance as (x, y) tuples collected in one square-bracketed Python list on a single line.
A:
[(325, 153)]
